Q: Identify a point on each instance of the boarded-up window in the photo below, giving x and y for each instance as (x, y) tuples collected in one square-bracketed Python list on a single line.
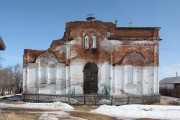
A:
[(94, 41), (51, 73), (42, 73), (86, 42), (130, 74), (139, 75)]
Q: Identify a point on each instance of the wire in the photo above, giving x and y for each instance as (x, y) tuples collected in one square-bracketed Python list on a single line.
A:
[(169, 49)]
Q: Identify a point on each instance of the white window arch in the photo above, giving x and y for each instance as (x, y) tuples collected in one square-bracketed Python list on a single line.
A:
[(94, 41), (86, 42)]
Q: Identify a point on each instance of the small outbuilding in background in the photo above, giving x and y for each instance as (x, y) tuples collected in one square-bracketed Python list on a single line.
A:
[(170, 87)]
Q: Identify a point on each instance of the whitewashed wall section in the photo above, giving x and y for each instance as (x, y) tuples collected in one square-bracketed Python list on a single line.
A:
[(25, 79), (31, 78), (61, 79), (51, 75), (103, 77), (76, 75), (143, 81)]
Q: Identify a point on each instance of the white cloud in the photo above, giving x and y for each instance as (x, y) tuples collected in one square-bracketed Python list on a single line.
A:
[(178, 65)]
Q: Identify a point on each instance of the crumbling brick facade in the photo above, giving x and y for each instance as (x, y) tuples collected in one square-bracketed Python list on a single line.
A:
[(94, 57)]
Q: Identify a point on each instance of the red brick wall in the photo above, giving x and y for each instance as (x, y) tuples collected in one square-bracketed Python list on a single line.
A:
[(77, 30)]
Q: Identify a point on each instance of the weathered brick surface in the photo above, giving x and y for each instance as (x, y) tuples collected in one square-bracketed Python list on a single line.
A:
[(31, 55), (77, 30)]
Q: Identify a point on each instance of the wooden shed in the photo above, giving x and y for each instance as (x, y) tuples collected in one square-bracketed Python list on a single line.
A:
[(170, 87)]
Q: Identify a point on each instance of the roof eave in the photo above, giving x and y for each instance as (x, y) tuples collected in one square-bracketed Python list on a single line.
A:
[(2, 45)]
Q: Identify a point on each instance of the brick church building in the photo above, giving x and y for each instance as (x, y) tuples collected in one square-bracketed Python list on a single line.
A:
[(94, 57)]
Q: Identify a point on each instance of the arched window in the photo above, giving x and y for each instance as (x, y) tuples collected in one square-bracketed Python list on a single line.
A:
[(134, 63), (94, 41), (86, 42)]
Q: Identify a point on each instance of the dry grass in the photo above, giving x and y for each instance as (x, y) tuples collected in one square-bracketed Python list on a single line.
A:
[(20, 110), (15, 102), (85, 107), (83, 112), (90, 116), (15, 116), (168, 102)]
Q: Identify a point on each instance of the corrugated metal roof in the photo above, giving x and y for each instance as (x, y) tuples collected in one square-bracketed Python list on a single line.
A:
[(170, 80)]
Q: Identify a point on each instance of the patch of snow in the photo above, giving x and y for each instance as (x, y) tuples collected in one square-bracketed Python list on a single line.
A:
[(140, 111), (74, 101), (47, 116), (6, 96), (46, 106), (54, 115), (59, 113), (105, 101)]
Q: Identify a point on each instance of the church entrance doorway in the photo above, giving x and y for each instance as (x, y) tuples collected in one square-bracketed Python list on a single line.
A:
[(90, 85)]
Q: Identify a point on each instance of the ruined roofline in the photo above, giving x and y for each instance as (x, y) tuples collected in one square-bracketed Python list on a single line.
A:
[(75, 23), (56, 43), (34, 50), (31, 55), (134, 38), (151, 28), (84, 21), (87, 21), (30, 52)]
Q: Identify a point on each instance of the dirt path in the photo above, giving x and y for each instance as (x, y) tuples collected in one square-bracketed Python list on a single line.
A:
[(80, 113), (37, 114), (16, 116), (83, 112)]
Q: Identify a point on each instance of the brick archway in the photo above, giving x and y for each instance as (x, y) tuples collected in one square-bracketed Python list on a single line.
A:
[(90, 85)]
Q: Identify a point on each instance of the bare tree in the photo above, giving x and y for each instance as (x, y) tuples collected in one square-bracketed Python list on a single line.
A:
[(6, 83), (10, 79), (17, 74)]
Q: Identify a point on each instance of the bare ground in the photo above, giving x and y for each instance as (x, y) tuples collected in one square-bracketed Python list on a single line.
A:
[(35, 114)]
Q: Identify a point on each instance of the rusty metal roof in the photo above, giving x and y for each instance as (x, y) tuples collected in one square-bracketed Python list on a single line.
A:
[(170, 80)]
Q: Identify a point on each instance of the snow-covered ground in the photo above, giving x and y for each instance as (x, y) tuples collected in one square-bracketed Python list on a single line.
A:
[(5, 96), (44, 106), (140, 111), (58, 109)]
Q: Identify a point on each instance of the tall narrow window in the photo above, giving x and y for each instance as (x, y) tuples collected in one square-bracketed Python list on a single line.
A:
[(86, 42), (94, 41), (129, 67)]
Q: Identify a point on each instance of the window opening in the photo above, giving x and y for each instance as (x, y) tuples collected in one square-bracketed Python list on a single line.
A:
[(86, 42), (94, 42)]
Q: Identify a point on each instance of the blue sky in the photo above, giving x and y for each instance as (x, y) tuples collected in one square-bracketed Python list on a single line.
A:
[(35, 23)]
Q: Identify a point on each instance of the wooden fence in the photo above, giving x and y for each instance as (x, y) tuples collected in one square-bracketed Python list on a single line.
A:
[(170, 92), (92, 99)]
